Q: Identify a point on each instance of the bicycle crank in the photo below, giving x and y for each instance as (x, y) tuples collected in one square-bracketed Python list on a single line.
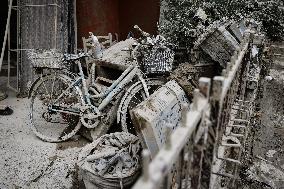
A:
[(90, 119)]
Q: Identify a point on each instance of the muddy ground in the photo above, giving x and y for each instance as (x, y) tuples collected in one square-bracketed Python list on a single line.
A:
[(265, 156), (270, 133), (26, 161)]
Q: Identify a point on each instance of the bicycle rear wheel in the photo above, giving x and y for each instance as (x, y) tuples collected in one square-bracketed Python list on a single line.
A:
[(134, 96), (49, 125)]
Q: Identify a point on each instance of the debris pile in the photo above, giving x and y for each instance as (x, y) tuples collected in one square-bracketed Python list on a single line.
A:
[(119, 53), (111, 161)]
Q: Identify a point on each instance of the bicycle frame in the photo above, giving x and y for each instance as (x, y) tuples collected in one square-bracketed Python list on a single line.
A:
[(107, 95)]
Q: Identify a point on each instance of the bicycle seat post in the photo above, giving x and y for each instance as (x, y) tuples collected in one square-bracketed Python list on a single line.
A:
[(79, 64)]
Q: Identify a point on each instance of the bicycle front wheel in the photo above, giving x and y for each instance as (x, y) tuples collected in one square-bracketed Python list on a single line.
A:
[(50, 120), (134, 96)]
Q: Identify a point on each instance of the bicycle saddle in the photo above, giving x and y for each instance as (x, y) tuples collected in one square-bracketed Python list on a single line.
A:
[(74, 57)]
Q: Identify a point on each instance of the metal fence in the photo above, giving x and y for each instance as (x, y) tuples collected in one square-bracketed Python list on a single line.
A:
[(210, 141)]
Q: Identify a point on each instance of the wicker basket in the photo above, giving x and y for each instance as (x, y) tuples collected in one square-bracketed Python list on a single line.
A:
[(46, 58), (157, 61)]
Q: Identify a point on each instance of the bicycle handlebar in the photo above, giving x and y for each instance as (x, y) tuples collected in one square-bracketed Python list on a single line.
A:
[(144, 34)]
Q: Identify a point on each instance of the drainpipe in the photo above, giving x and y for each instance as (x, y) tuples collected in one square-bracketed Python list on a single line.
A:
[(6, 33)]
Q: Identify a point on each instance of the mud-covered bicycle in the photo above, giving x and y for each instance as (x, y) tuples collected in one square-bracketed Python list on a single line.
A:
[(62, 102)]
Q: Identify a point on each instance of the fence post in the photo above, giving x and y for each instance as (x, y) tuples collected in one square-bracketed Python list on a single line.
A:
[(224, 73), (205, 86), (168, 139), (184, 110), (198, 145), (146, 162), (217, 87), (195, 100), (217, 90)]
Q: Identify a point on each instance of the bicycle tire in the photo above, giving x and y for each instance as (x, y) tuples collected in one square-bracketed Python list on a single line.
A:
[(134, 96), (44, 90)]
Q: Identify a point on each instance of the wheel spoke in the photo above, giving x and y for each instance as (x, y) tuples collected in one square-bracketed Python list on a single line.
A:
[(134, 97), (52, 88), (57, 126), (45, 88), (143, 95)]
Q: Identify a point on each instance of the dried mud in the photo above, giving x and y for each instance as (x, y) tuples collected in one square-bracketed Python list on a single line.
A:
[(265, 167)]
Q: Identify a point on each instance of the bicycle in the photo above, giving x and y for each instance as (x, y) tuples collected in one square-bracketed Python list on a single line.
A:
[(61, 102)]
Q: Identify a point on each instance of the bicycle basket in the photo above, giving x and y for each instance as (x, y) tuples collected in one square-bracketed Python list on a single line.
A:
[(157, 60), (50, 58)]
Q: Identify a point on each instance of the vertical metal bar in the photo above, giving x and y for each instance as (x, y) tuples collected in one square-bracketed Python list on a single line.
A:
[(75, 26), (18, 42), (55, 26), (184, 110), (195, 99), (6, 33), (9, 53), (205, 86)]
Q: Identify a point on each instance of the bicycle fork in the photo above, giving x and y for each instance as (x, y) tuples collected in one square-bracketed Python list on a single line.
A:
[(143, 84)]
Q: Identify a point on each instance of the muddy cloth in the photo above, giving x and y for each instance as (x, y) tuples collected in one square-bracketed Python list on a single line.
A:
[(111, 161), (6, 111)]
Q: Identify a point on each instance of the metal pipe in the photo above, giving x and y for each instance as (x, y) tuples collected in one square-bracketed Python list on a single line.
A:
[(75, 25), (9, 53), (118, 88), (44, 5), (123, 75), (6, 33), (55, 27), (18, 42)]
